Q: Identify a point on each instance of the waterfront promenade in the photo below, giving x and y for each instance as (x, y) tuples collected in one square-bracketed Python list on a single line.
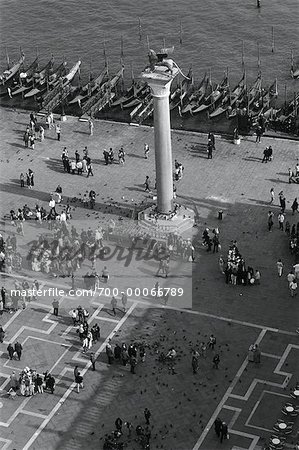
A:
[(183, 406)]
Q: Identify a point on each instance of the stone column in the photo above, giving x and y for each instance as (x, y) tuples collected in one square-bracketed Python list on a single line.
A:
[(160, 82)]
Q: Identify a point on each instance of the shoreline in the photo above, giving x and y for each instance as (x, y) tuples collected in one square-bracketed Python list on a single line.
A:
[(57, 116)]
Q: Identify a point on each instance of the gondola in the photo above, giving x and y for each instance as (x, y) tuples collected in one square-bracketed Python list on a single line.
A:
[(8, 74), (229, 99), (26, 79), (215, 95), (95, 100), (90, 87), (61, 89), (197, 96), (46, 80)]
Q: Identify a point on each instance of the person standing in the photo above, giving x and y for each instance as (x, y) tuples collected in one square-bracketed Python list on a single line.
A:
[(10, 351), (223, 431), (280, 221), (294, 206), (55, 305), (146, 151), (194, 361), (58, 131), (109, 353), (212, 342), (217, 426), (89, 170), (216, 361), (272, 195), (93, 361), (22, 180), (133, 364), (26, 139), (18, 350), (293, 288), (3, 296), (90, 126), (270, 220), (124, 300), (147, 416), (41, 133), (113, 305), (210, 150), (259, 133), (279, 265)]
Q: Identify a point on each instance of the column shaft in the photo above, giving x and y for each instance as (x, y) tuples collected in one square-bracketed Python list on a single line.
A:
[(163, 156)]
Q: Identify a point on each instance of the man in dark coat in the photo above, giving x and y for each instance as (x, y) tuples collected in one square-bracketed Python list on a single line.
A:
[(11, 351), (217, 426)]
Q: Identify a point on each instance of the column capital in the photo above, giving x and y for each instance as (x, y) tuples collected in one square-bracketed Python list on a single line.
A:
[(159, 80)]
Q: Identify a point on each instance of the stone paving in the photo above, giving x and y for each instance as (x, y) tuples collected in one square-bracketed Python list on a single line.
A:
[(183, 406)]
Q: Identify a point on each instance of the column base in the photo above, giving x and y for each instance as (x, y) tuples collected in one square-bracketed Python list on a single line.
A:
[(179, 221)]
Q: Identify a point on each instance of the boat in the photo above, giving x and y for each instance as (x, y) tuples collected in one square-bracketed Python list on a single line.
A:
[(294, 72), (213, 96), (8, 74), (229, 99), (46, 80), (129, 99), (59, 92), (177, 97), (145, 112), (266, 101), (90, 87), (96, 99), (197, 96), (26, 79)]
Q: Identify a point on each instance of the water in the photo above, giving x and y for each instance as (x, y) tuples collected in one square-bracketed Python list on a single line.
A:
[(213, 31)]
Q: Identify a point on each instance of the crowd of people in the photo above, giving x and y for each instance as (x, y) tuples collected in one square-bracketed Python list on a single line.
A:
[(235, 270), (29, 383)]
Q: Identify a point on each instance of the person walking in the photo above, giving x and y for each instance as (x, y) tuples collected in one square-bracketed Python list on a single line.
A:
[(18, 350), (147, 184), (272, 195), (10, 351), (58, 131), (147, 416), (79, 382), (55, 305), (279, 265), (280, 221)]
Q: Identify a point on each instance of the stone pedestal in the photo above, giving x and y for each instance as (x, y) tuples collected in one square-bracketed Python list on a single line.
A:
[(160, 81)]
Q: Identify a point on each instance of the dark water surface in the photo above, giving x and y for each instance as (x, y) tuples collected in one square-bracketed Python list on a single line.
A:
[(212, 34)]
